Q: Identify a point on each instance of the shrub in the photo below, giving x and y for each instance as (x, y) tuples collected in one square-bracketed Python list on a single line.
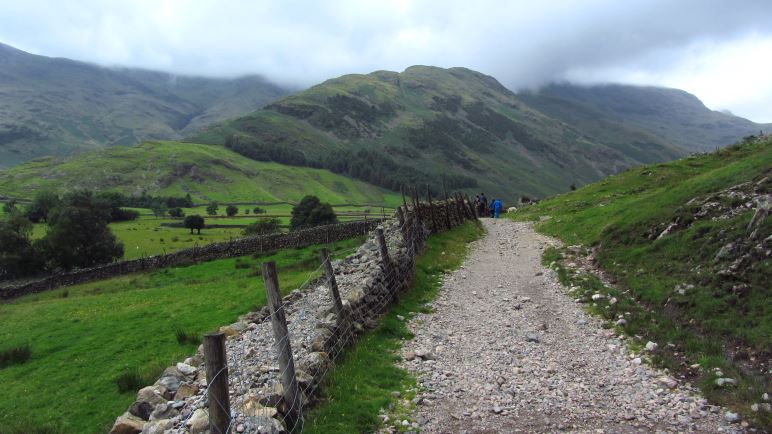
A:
[(176, 213), (212, 208), (231, 210)]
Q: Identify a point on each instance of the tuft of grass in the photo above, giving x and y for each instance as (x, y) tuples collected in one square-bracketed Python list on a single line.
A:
[(132, 380), (364, 377), (15, 355), (187, 337)]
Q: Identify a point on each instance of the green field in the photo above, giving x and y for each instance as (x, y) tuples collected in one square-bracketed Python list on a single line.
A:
[(363, 381), (83, 337), (147, 236), (712, 324), (206, 172)]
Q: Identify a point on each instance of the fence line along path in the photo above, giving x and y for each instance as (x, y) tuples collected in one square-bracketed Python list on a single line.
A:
[(277, 357)]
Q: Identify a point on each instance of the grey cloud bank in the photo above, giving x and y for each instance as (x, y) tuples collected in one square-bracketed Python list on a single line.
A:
[(715, 49)]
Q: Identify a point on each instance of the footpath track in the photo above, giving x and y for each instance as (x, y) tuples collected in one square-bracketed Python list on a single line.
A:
[(506, 349)]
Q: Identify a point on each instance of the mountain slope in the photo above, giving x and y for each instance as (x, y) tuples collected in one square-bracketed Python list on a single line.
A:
[(171, 168), (615, 113), (688, 248), (51, 106), (422, 124)]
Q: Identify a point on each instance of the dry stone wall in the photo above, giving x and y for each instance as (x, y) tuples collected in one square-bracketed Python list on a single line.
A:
[(178, 403), (228, 249)]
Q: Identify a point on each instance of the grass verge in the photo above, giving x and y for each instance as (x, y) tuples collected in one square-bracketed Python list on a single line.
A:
[(365, 377)]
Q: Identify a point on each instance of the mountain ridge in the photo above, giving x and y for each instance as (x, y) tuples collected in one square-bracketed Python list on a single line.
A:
[(463, 121), (57, 106), (666, 115)]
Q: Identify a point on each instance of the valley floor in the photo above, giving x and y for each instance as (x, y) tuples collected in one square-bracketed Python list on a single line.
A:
[(507, 350)]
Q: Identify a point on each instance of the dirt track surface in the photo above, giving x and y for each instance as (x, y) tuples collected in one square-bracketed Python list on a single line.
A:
[(507, 350)]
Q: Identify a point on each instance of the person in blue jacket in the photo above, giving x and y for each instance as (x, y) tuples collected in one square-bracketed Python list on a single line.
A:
[(497, 205)]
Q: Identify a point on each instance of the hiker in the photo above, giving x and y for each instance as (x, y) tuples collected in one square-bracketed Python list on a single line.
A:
[(497, 206), (483, 204), (491, 209), (476, 204)]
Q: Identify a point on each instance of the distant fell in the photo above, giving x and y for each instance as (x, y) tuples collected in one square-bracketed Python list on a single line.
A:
[(55, 106), (614, 113), (427, 123)]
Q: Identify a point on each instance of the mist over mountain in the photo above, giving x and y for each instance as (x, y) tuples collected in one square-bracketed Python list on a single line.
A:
[(53, 106), (387, 128), (615, 113)]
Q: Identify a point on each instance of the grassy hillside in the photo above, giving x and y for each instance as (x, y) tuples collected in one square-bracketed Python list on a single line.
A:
[(416, 126), (688, 272), (51, 106), (171, 168), (82, 338), (616, 114)]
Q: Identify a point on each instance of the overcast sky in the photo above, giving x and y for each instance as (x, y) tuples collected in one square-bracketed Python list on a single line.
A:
[(719, 50)]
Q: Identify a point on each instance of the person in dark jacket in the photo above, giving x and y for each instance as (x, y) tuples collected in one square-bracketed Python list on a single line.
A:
[(483, 205)]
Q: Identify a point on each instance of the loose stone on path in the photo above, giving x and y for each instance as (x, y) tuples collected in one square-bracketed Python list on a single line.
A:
[(519, 355)]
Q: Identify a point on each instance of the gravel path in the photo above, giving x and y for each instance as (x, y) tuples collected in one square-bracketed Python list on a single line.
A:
[(507, 350)]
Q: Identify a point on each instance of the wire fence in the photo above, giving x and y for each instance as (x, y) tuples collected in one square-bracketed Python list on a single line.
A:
[(263, 378)]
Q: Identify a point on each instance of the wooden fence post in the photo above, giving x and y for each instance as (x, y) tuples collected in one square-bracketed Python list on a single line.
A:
[(293, 412), (447, 205), (217, 377), (336, 301), (431, 209)]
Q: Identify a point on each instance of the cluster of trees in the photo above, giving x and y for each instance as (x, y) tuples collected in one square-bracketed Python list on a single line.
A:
[(77, 236), (311, 212)]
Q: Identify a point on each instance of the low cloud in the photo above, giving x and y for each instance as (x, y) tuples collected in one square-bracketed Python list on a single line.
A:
[(523, 44)]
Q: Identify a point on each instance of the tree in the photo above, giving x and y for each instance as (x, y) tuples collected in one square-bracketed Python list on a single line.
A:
[(258, 210), (78, 235), (194, 222), (311, 212), (231, 210), (573, 187), (212, 208), (176, 212), (263, 227), (18, 257), (43, 203), (158, 207), (246, 211)]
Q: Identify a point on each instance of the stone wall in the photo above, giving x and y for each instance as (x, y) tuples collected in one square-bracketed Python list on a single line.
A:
[(177, 402), (228, 249)]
